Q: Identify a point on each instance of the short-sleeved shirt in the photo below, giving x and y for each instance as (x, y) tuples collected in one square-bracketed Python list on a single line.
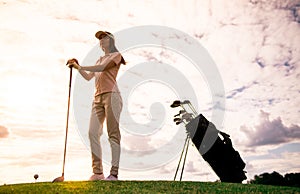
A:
[(105, 81)]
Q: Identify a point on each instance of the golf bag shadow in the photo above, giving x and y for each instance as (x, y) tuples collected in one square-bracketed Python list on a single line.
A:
[(216, 148)]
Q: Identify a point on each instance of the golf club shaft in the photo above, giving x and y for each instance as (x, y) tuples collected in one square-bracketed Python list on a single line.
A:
[(67, 124), (193, 109), (182, 106)]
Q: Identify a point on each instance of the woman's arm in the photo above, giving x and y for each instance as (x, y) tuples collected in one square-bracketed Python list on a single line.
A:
[(85, 75), (105, 64), (99, 68), (74, 63)]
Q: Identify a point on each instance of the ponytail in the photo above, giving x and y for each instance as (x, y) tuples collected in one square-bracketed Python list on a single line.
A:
[(113, 48)]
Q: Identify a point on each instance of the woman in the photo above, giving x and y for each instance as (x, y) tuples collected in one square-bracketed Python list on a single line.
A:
[(107, 104)]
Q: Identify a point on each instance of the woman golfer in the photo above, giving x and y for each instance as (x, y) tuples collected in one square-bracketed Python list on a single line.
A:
[(107, 104)]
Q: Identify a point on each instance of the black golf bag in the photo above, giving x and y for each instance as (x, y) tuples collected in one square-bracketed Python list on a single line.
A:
[(214, 146), (216, 149)]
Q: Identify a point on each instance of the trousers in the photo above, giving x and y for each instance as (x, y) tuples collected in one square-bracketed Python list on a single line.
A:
[(105, 106)]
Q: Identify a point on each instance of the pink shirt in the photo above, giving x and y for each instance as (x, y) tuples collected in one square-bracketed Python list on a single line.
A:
[(105, 81)]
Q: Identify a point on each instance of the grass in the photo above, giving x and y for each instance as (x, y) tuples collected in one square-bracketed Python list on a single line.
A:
[(143, 187)]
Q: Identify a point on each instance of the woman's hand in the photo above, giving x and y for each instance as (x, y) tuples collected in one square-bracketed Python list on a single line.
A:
[(73, 63)]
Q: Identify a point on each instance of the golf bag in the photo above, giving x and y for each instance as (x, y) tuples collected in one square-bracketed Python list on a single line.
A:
[(214, 146), (216, 149)]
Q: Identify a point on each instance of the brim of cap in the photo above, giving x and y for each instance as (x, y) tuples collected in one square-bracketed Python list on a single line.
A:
[(100, 34)]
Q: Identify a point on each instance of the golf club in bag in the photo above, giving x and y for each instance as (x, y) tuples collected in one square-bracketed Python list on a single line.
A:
[(185, 117), (221, 156), (62, 178)]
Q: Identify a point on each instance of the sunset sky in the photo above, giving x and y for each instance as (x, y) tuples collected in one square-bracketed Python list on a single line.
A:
[(254, 44)]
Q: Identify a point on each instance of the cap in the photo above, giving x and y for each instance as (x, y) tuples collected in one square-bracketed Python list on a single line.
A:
[(101, 34)]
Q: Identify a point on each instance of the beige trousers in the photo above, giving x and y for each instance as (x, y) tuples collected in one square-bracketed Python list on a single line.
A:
[(105, 106)]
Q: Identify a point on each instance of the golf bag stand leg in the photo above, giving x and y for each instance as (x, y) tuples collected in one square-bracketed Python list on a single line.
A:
[(186, 151), (186, 140)]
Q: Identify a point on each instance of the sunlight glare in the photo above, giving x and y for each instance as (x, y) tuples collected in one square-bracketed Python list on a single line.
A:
[(24, 93)]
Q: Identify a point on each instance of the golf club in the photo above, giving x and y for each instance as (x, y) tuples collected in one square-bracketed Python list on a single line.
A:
[(178, 103), (177, 120), (180, 112), (191, 106), (175, 104), (185, 118), (62, 178)]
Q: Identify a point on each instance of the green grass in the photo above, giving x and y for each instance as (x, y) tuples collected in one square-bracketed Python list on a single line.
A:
[(143, 187)]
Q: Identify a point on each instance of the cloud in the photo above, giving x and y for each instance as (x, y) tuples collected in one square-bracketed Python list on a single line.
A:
[(138, 143), (235, 92), (270, 132), (3, 132), (190, 167), (165, 169), (282, 163)]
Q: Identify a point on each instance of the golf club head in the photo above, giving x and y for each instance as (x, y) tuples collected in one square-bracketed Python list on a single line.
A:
[(177, 123), (58, 179), (180, 112), (175, 104), (177, 120)]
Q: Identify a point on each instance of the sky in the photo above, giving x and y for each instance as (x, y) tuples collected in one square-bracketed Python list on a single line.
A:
[(253, 43)]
